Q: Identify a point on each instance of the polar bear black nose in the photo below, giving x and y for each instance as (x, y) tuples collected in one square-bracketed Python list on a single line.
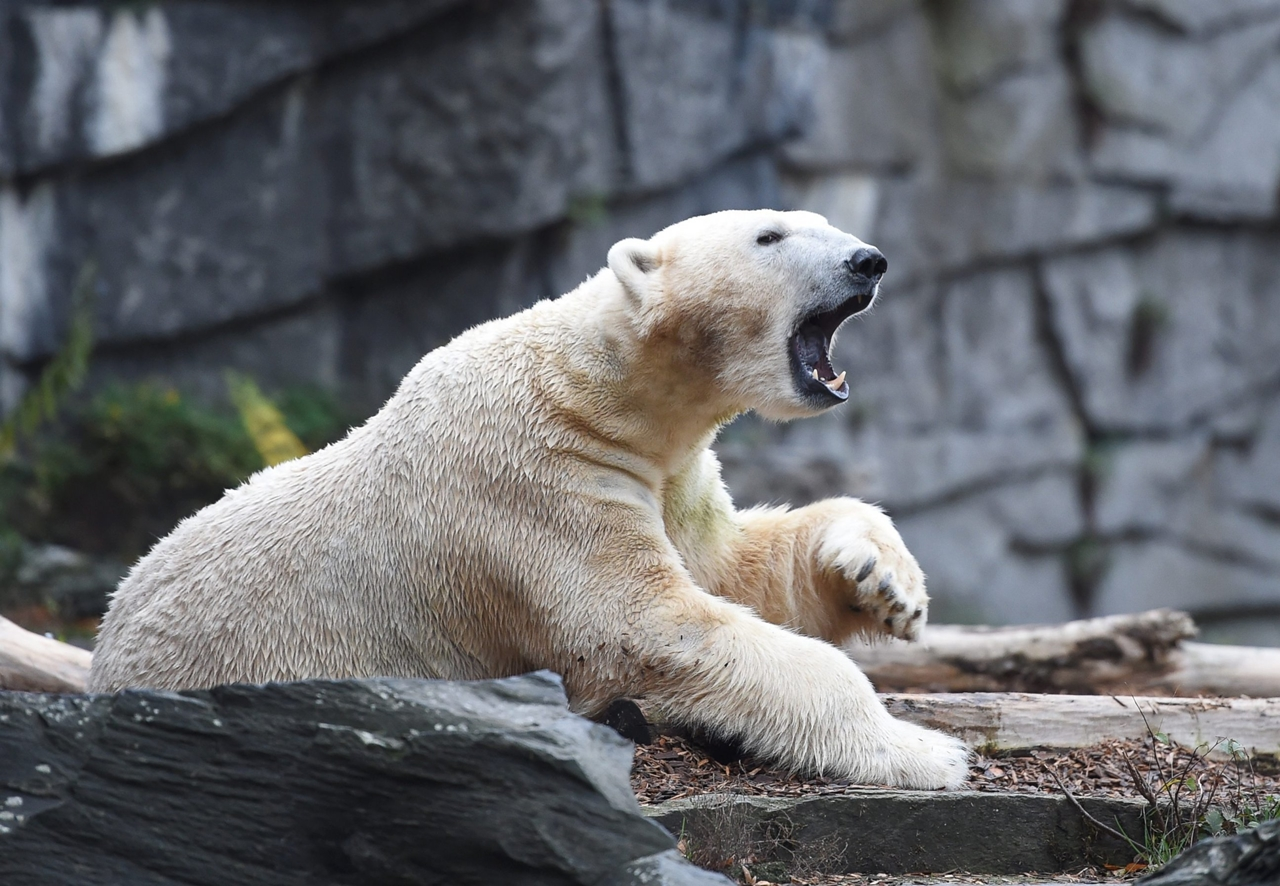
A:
[(867, 262)]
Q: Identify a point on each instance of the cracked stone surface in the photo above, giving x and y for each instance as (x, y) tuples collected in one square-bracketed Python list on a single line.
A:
[(363, 781)]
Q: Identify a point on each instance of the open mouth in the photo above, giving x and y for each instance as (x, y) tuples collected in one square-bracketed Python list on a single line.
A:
[(811, 350)]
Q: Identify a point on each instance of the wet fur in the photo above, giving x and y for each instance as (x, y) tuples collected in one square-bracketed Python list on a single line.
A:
[(540, 494)]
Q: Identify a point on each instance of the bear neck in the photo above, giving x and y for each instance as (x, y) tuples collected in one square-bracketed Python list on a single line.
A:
[(642, 392)]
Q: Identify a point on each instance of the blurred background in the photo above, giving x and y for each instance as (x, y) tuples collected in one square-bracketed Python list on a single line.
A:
[(227, 229)]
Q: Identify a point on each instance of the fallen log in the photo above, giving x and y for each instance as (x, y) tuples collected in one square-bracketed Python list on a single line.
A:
[(1006, 721), (990, 721), (1147, 653), (32, 663), (1142, 654), (1003, 722)]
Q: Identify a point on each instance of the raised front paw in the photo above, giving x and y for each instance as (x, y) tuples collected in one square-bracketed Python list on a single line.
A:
[(876, 577)]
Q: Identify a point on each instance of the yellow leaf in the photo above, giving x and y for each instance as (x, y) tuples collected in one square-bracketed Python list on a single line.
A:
[(266, 426)]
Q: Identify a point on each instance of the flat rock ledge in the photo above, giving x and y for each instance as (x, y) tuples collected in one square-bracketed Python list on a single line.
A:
[(897, 832), (376, 781)]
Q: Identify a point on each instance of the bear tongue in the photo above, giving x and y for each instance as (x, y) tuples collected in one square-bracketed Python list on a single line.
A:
[(811, 348)]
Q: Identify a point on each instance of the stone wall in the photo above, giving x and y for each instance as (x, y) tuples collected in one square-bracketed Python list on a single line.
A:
[(1069, 395)]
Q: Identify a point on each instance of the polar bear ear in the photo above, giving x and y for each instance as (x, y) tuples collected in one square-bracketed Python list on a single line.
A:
[(632, 262)]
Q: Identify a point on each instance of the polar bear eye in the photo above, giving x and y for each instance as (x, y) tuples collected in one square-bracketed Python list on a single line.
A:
[(769, 237)]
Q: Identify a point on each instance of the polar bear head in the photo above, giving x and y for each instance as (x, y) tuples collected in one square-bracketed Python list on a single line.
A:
[(751, 301)]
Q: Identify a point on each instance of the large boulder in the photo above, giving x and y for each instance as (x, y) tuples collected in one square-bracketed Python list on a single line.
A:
[(374, 781), (1248, 859)]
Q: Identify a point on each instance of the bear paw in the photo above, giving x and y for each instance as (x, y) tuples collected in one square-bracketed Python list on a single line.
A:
[(924, 759), (880, 577)]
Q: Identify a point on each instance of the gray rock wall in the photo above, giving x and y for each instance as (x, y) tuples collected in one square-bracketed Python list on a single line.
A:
[(1069, 396)]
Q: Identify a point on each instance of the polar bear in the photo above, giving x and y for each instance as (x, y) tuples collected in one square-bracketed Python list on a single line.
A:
[(540, 493)]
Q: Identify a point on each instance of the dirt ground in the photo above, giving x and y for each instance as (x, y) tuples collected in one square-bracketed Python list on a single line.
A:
[(1194, 781), (948, 879), (673, 767)]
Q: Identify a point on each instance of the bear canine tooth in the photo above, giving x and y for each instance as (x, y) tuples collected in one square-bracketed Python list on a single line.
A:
[(836, 383), (815, 375)]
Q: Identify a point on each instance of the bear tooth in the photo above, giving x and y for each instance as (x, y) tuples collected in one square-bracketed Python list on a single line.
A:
[(815, 375), (836, 383)]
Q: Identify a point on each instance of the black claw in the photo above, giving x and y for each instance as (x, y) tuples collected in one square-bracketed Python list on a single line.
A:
[(897, 607), (866, 569), (917, 614), (888, 622), (886, 582)]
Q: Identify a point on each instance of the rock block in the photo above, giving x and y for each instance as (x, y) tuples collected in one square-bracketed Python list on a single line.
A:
[(87, 81), (1195, 17), (851, 21), (874, 103), (980, 41), (485, 126), (577, 249), (902, 831), (1023, 126), (1188, 111), (699, 82), (1162, 335), (1168, 572), (995, 557), (365, 781), (990, 339), (926, 226), (488, 125)]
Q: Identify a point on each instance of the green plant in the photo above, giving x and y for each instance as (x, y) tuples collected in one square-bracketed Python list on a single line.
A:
[(119, 470), (1247, 807), (63, 374), (1099, 459), (122, 468), (1243, 818), (588, 210), (1088, 560), (1183, 804), (1149, 317), (314, 415), (11, 553), (1178, 804)]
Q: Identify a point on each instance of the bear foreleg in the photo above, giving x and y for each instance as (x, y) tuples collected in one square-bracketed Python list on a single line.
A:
[(790, 698), (830, 570)]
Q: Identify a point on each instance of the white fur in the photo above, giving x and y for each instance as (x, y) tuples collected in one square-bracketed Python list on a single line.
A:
[(540, 494)]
